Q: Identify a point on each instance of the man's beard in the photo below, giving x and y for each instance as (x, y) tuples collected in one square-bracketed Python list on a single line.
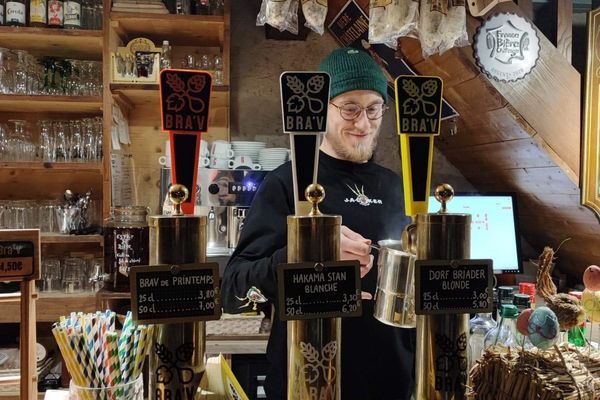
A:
[(359, 153)]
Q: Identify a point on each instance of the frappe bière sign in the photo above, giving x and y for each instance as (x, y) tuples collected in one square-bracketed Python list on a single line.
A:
[(506, 47)]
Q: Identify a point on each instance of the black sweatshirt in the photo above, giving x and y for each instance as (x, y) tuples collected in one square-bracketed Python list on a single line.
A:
[(377, 359)]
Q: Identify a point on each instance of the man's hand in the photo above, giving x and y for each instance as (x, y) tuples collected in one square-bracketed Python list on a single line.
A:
[(355, 247)]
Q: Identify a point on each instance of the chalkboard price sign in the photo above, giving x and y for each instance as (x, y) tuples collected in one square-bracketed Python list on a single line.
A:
[(175, 293), (311, 290), (19, 255), (453, 287)]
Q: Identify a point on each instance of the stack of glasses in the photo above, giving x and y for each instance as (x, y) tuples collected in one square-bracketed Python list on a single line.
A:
[(103, 363)]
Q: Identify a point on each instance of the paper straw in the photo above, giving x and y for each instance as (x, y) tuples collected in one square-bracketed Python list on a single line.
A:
[(140, 351), (94, 343), (69, 356), (84, 359), (112, 366), (125, 354)]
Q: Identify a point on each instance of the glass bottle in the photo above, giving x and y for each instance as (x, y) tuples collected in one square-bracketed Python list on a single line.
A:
[(479, 326), (55, 14), (505, 333), (165, 56), (521, 301), (16, 14), (38, 13), (505, 296), (528, 288), (202, 7), (72, 14), (126, 241)]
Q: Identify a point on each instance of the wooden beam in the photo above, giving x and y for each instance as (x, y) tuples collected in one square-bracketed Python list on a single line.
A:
[(526, 7), (564, 27)]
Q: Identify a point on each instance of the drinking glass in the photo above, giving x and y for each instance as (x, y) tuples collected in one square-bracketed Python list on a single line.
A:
[(218, 64), (61, 146), (6, 75), (4, 144), (51, 275), (133, 390), (95, 274), (76, 141), (46, 145), (73, 275), (89, 140), (20, 72), (47, 216)]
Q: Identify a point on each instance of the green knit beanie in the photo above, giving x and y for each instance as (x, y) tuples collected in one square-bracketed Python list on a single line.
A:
[(352, 69)]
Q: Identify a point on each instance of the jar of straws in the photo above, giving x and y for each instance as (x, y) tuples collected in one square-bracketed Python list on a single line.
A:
[(104, 364)]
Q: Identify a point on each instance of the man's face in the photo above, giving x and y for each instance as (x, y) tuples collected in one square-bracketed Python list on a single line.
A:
[(352, 140)]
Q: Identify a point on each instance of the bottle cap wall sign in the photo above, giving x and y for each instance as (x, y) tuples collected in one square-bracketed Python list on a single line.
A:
[(506, 47)]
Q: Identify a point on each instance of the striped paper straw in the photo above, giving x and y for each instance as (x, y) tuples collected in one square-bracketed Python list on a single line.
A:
[(94, 343), (84, 359), (125, 354), (140, 350), (112, 366), (69, 356)]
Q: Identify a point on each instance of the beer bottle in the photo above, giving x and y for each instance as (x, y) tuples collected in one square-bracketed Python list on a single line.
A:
[(38, 13), (55, 14), (15, 12), (72, 14)]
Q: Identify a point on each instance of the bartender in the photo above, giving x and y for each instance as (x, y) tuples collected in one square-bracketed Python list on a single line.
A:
[(377, 359)]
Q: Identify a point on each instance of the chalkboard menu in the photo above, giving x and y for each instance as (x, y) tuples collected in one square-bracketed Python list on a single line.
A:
[(311, 290), (453, 287), (175, 293)]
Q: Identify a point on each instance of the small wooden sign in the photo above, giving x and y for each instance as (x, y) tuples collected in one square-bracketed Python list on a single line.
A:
[(304, 101), (312, 290), (418, 104), (185, 100), (175, 293), (453, 287), (19, 255)]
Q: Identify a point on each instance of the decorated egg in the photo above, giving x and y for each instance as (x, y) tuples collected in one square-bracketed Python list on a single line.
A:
[(590, 300), (591, 278), (543, 328), (523, 321)]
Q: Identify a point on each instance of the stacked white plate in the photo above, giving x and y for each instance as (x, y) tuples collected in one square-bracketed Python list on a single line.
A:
[(272, 158), (248, 148)]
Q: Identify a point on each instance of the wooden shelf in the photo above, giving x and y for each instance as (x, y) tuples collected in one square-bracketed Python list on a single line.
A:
[(68, 43), (42, 104), (179, 30), (147, 94), (61, 238), (46, 166), (50, 306)]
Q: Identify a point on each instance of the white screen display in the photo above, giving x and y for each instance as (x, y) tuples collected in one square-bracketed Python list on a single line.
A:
[(493, 228)]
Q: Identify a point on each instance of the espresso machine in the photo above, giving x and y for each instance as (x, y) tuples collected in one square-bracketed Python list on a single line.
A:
[(223, 196)]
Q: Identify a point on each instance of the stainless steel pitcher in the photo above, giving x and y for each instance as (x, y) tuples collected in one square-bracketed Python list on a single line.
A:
[(395, 296)]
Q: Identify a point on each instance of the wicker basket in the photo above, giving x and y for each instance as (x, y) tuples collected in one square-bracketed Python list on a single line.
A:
[(504, 374)]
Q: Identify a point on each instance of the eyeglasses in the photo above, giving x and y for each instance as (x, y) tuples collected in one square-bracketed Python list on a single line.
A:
[(352, 111)]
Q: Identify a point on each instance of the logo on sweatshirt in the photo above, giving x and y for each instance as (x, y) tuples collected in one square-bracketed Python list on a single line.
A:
[(361, 198)]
